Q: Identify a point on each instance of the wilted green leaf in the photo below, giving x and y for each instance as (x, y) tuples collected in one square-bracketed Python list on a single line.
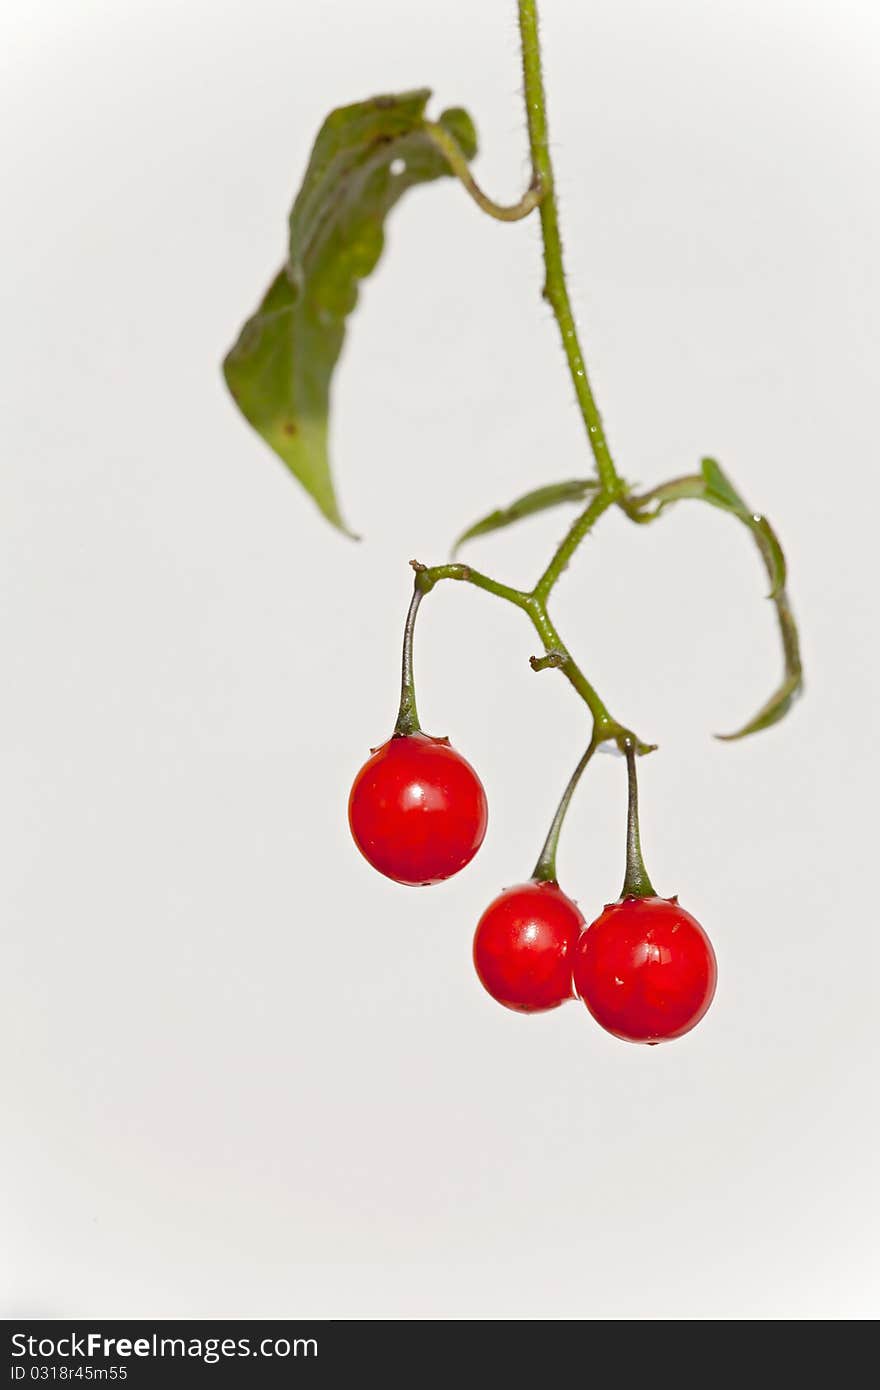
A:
[(575, 490), (280, 369), (713, 485)]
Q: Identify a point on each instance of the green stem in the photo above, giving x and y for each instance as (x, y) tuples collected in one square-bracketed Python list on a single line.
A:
[(427, 577), (456, 159), (605, 728), (636, 883), (566, 550), (555, 288), (603, 725), (407, 715), (545, 869)]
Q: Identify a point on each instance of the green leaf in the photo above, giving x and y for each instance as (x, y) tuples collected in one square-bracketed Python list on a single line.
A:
[(719, 487), (712, 485), (280, 370), (776, 708), (721, 493), (575, 490)]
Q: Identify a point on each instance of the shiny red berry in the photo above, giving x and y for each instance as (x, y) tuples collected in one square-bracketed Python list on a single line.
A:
[(524, 944), (645, 970), (417, 809)]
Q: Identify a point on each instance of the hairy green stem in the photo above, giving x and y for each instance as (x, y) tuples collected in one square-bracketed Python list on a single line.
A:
[(555, 288), (541, 194), (545, 869), (584, 523)]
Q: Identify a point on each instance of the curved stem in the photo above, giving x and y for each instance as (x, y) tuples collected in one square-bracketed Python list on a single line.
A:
[(545, 869), (407, 715), (427, 577), (454, 155), (636, 883), (555, 288)]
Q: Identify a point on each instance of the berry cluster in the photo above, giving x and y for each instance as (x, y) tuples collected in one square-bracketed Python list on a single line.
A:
[(645, 969)]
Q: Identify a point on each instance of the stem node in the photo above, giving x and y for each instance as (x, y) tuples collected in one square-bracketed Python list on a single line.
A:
[(552, 660)]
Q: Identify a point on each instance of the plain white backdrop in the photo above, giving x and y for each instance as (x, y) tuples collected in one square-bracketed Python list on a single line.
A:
[(242, 1074)]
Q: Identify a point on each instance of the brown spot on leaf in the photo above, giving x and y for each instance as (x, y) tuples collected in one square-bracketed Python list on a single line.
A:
[(289, 428)]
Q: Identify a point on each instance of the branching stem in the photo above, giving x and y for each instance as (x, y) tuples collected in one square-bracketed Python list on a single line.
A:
[(612, 489), (605, 727)]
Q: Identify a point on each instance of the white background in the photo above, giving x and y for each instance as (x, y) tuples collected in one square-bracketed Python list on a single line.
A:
[(242, 1074)]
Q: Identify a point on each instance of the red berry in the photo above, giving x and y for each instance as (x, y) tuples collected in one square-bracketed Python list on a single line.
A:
[(524, 945), (417, 809), (645, 970)]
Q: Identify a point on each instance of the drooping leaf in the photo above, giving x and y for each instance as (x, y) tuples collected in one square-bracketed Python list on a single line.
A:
[(280, 370), (773, 710), (712, 485), (721, 493), (575, 490)]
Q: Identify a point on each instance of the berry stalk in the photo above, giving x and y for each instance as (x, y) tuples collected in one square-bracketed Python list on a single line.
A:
[(407, 715), (545, 869), (636, 883)]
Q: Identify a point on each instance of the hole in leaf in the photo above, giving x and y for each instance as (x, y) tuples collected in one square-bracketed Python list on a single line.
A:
[(398, 167)]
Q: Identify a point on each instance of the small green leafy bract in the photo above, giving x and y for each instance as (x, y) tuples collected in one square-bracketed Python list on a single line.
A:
[(719, 490), (280, 369), (721, 493), (712, 485), (573, 490)]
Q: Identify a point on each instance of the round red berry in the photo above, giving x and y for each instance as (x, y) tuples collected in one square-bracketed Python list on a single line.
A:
[(645, 970), (524, 944), (417, 809)]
